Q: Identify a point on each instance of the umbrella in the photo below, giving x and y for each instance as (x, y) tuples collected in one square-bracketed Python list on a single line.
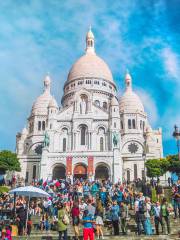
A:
[(29, 191)]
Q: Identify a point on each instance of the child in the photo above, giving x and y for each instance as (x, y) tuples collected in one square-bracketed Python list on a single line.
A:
[(88, 231), (8, 234)]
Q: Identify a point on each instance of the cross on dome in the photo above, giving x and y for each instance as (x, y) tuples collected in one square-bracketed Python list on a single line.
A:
[(90, 41)]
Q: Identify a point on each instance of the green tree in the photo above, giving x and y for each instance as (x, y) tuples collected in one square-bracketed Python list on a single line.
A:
[(156, 167), (9, 161), (174, 164)]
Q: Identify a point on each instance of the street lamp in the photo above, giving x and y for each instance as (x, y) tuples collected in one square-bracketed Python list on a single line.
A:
[(176, 135)]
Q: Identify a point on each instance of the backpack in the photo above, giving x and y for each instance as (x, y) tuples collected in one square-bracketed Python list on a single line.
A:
[(142, 207), (65, 219)]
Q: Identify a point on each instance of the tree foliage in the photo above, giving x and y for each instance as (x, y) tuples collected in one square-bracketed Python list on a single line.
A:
[(9, 161), (174, 163), (156, 167)]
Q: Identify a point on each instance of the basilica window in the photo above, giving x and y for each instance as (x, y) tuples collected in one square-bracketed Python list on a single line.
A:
[(128, 176), (34, 172), (64, 144), (101, 144), (135, 171), (104, 84), (88, 81), (133, 124), (83, 135), (129, 124), (105, 105), (114, 125), (121, 124), (97, 103), (39, 125), (43, 125)]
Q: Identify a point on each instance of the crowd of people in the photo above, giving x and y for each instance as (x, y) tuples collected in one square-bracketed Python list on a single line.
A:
[(94, 205)]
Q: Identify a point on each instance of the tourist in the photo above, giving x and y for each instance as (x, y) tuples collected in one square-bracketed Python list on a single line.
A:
[(140, 209), (115, 214), (176, 198), (91, 209), (124, 217), (99, 218), (21, 219), (165, 211), (158, 217), (88, 231), (148, 226), (75, 219), (62, 225)]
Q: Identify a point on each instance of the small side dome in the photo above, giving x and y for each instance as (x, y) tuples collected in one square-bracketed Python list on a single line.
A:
[(40, 106), (130, 101), (53, 103)]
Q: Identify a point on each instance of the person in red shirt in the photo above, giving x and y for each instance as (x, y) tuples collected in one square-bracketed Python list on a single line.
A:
[(75, 218)]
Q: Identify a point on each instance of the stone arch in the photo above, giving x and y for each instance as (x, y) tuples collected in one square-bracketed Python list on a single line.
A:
[(102, 171), (59, 171), (80, 171)]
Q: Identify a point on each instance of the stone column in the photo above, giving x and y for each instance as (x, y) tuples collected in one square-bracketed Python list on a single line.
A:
[(117, 166)]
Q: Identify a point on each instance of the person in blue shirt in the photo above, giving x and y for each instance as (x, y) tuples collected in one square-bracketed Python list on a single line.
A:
[(88, 231), (115, 213)]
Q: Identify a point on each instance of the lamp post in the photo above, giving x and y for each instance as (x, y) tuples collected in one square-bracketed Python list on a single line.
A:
[(176, 135)]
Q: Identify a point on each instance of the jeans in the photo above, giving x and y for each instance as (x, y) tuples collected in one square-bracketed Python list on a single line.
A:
[(157, 221), (65, 235), (115, 224), (176, 208), (165, 220), (140, 220)]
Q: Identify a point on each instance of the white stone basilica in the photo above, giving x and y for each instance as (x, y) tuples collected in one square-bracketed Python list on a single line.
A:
[(93, 134)]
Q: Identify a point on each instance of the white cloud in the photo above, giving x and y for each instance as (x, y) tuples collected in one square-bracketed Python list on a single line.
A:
[(171, 63), (150, 106)]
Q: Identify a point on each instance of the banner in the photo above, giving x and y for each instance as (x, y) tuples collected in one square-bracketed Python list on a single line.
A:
[(90, 165), (69, 166)]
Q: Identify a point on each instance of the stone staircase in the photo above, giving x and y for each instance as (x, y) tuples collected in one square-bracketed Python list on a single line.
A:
[(108, 232)]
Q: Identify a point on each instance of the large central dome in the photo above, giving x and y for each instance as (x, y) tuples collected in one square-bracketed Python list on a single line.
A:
[(90, 65)]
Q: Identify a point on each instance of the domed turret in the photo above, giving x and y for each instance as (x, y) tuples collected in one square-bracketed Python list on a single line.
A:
[(130, 101), (40, 106)]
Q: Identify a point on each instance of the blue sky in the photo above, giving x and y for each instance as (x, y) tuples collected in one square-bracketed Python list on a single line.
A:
[(40, 36)]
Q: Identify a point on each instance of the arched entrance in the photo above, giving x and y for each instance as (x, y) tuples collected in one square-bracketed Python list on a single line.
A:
[(80, 171), (102, 172), (59, 172)]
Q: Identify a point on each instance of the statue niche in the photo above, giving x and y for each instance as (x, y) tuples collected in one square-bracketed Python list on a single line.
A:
[(83, 104)]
